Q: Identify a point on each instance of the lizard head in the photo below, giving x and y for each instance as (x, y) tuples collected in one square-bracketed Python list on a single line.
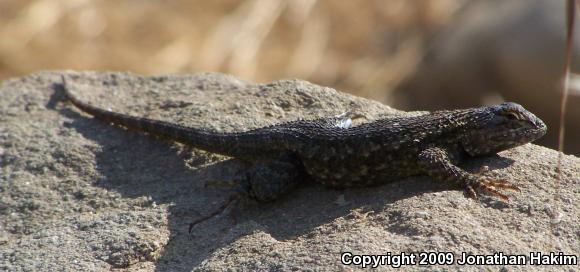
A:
[(502, 127)]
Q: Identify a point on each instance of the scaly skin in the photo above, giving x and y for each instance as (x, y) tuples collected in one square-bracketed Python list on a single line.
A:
[(369, 154)]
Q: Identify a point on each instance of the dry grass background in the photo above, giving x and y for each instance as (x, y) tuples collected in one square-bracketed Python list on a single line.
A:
[(362, 46)]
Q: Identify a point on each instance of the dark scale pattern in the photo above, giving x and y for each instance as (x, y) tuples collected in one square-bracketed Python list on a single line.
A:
[(369, 154)]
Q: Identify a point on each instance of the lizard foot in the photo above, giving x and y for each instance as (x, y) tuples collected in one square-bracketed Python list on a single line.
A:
[(218, 211), (490, 187)]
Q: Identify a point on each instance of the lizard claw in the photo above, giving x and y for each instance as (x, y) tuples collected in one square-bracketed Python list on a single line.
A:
[(490, 187)]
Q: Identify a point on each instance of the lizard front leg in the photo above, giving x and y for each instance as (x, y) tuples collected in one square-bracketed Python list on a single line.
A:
[(438, 164)]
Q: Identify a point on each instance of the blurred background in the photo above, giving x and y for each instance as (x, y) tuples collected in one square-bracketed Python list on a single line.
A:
[(409, 54)]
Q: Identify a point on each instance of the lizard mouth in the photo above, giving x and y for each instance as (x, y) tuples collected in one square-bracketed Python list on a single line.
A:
[(534, 130), (539, 129), (526, 135)]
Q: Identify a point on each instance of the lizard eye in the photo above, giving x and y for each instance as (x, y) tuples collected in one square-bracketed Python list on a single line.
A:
[(512, 115)]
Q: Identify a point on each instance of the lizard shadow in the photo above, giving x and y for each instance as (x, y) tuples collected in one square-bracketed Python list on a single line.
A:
[(307, 207), (136, 165)]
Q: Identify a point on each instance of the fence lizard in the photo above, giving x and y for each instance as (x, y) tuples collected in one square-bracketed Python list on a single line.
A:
[(338, 155)]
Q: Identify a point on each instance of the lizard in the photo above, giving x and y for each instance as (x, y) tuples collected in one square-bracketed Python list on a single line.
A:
[(334, 153)]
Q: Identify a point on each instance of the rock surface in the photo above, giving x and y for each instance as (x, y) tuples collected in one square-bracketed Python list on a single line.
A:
[(76, 193)]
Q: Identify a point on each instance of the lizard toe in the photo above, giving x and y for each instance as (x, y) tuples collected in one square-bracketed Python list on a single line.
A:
[(491, 187), (471, 192), (503, 184), (228, 203)]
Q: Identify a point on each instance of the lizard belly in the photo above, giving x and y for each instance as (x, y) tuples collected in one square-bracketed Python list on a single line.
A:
[(359, 170)]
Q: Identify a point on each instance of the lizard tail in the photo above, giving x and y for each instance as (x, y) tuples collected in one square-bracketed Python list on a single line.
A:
[(216, 142)]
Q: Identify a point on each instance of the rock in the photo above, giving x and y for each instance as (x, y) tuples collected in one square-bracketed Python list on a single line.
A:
[(76, 193)]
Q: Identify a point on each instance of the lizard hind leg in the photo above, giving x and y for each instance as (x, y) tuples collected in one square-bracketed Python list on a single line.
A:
[(264, 181), (267, 181)]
